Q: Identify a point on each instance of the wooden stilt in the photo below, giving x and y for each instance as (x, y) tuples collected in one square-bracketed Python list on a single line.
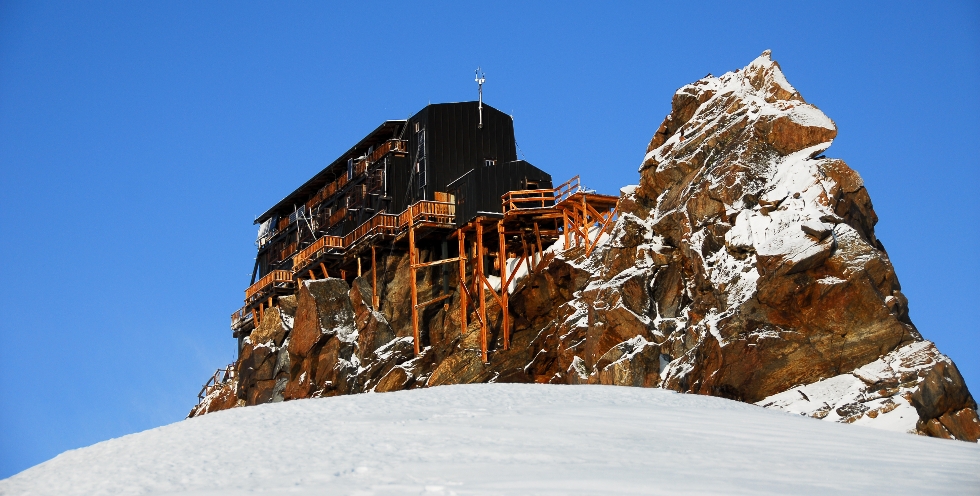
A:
[(564, 216), (312, 275), (530, 266), (463, 303), (260, 316), (502, 256), (482, 292), (411, 278), (358, 266), (537, 235), (324, 269), (374, 280), (343, 274)]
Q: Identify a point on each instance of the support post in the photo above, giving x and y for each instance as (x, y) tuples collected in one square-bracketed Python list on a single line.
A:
[(537, 235), (462, 284), (502, 256), (374, 280), (358, 266), (324, 269), (564, 216), (411, 278), (482, 291), (312, 275)]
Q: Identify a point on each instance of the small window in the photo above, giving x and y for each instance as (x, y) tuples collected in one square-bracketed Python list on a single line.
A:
[(350, 169), (489, 162)]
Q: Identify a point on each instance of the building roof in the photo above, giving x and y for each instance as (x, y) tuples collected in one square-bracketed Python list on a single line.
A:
[(310, 187)]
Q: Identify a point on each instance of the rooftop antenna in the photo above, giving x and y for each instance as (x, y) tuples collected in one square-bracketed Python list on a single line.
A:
[(480, 79)]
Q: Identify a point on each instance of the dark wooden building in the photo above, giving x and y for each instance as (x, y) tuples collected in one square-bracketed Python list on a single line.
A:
[(444, 187), (449, 152)]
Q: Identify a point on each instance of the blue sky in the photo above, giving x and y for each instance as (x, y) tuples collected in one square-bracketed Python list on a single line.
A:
[(138, 141)]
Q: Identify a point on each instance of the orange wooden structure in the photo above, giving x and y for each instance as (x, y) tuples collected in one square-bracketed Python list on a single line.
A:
[(531, 221)]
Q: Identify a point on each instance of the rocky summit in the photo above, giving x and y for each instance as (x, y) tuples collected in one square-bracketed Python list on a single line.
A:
[(743, 265)]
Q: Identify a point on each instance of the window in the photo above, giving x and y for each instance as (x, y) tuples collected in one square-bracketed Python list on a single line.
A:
[(350, 169), (489, 162)]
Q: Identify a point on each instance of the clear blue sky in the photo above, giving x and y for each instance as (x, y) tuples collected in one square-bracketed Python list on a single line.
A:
[(138, 142)]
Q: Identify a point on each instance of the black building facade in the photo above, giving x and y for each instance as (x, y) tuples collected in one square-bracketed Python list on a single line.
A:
[(450, 152)]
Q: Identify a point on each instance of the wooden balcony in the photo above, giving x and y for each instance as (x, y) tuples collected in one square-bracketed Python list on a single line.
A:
[(271, 280), (241, 318), (539, 198), (380, 223), (314, 250), (429, 211), (388, 146)]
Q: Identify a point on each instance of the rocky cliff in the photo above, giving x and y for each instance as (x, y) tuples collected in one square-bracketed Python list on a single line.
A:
[(744, 265)]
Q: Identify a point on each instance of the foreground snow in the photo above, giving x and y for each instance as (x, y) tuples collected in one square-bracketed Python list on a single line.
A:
[(508, 439)]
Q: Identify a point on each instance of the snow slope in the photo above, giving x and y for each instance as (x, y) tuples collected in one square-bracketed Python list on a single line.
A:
[(508, 439)]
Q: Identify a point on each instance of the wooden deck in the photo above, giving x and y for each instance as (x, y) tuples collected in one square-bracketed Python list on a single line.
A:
[(531, 220)]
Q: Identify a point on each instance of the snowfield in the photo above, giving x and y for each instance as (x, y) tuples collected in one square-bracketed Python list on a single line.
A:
[(509, 439)]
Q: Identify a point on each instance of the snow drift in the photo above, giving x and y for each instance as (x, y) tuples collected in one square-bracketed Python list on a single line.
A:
[(508, 439)]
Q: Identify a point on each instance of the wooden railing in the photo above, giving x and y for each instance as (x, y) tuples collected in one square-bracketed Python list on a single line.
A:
[(240, 317), (380, 222), (220, 378), (359, 168), (304, 255), (539, 198), (429, 211), (423, 211), (388, 146), (336, 218), (274, 277)]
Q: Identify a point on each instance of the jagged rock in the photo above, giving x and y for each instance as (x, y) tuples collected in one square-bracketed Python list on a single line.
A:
[(741, 265), (323, 340), (222, 398)]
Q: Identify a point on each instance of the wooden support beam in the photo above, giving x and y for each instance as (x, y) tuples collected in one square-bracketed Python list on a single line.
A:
[(437, 262), (481, 293), (358, 266), (537, 235), (502, 256), (415, 295), (516, 269), (463, 293), (312, 276), (530, 264), (602, 229), (434, 300), (564, 217), (374, 280), (493, 292), (324, 269)]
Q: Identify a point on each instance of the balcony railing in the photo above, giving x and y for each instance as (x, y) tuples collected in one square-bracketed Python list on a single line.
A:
[(539, 198), (241, 317), (429, 211), (324, 243), (380, 222), (270, 279)]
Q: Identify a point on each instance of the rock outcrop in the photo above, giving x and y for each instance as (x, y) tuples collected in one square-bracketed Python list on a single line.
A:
[(744, 265)]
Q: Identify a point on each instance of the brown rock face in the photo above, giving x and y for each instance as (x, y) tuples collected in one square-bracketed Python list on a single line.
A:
[(744, 265)]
